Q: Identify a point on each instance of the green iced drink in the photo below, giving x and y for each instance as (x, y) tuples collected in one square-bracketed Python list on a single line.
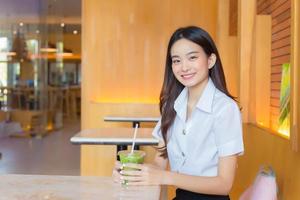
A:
[(128, 157), (136, 157)]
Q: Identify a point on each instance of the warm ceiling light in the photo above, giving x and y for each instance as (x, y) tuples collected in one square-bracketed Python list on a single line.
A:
[(75, 32), (21, 24), (15, 32), (37, 31), (65, 54), (62, 24), (50, 48), (10, 53)]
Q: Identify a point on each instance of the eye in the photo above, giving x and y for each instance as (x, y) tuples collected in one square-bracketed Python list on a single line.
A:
[(193, 57), (175, 61)]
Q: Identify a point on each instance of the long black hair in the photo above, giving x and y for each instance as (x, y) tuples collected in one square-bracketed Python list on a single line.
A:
[(172, 87)]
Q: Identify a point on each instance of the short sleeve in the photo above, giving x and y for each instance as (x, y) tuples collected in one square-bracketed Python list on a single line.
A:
[(157, 132), (228, 130)]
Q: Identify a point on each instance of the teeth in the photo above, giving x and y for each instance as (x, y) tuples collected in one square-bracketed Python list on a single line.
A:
[(187, 76)]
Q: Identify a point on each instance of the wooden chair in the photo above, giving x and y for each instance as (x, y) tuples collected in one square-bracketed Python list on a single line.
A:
[(32, 122), (66, 101), (75, 95)]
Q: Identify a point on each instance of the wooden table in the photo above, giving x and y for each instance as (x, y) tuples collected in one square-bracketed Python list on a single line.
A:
[(7, 112), (114, 136), (133, 120), (38, 187)]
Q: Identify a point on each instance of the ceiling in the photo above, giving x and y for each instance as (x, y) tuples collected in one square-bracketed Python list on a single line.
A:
[(40, 11)]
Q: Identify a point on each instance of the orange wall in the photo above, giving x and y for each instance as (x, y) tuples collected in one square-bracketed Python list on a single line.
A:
[(123, 53), (264, 148), (124, 44)]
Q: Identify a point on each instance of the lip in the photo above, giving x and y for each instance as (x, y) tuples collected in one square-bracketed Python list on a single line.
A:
[(187, 76)]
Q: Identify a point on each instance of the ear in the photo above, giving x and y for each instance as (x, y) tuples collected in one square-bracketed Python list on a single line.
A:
[(212, 60)]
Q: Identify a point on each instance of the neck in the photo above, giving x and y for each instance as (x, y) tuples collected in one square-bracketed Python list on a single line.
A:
[(195, 92)]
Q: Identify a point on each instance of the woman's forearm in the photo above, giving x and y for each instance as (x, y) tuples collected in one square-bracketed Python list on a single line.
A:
[(220, 184), (160, 162), (199, 184)]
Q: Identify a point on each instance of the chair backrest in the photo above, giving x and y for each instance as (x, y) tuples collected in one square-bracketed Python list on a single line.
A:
[(2, 116), (263, 188)]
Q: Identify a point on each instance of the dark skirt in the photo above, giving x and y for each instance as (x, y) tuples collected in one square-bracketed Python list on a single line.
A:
[(187, 195)]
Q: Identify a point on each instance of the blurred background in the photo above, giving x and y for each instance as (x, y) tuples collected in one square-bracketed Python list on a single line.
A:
[(66, 64), (40, 62)]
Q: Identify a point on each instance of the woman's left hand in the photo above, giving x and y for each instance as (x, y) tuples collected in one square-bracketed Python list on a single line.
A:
[(145, 174)]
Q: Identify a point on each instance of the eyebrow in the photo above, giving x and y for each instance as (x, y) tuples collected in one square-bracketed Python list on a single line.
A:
[(175, 56), (191, 52)]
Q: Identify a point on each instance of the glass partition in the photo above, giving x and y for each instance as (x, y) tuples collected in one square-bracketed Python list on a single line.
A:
[(39, 62)]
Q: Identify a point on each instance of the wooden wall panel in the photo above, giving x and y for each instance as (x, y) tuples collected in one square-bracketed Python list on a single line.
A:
[(281, 43), (128, 44), (281, 26), (233, 17)]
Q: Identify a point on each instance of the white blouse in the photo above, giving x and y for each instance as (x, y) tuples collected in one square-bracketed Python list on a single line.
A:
[(213, 130)]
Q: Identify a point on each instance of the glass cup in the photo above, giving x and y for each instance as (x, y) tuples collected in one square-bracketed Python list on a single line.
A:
[(136, 157)]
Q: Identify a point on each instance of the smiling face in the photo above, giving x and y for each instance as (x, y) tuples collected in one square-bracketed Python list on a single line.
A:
[(190, 64)]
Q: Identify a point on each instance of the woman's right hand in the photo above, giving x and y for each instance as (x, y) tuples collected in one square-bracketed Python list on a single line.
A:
[(116, 172)]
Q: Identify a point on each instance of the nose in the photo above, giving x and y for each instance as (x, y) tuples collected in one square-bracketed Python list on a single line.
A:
[(185, 66)]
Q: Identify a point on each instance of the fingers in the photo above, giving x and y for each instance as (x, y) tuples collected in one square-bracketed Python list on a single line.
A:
[(131, 172), (116, 172), (141, 183), (132, 178), (116, 176), (134, 166), (118, 165)]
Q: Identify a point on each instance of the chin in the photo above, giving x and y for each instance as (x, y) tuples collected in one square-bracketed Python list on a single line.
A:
[(188, 84)]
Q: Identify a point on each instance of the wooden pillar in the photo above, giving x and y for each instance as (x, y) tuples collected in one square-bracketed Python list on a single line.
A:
[(295, 76), (246, 13), (227, 46)]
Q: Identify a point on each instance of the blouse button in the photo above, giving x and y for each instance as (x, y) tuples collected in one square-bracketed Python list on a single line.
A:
[(182, 154), (183, 132)]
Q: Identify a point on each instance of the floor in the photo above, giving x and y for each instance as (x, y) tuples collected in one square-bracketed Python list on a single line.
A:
[(50, 155)]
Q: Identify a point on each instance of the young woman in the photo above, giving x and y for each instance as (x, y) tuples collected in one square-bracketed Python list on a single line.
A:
[(200, 130)]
